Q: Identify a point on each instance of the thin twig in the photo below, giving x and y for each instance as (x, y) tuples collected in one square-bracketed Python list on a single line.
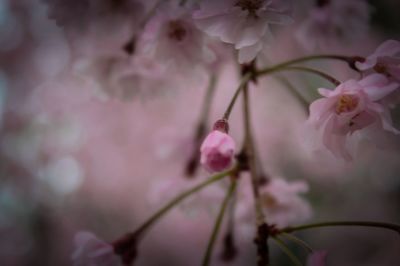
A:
[(217, 225)]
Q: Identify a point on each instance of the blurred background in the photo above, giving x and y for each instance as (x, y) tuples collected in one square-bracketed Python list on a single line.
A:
[(78, 154)]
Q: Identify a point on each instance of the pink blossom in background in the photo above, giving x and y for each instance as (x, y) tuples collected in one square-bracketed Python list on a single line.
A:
[(350, 107), (90, 251), (245, 23), (172, 38), (217, 151), (332, 22), (281, 202), (97, 26)]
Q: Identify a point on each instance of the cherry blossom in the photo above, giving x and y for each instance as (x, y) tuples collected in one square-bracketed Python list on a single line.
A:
[(97, 26), (330, 22), (217, 151), (90, 251), (172, 38), (385, 60), (244, 23), (350, 107), (281, 202)]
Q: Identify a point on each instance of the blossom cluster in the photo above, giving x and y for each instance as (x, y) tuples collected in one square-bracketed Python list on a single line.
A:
[(359, 106), (131, 48)]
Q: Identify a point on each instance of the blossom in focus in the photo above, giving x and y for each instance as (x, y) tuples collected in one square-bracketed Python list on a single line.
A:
[(317, 258), (217, 151), (280, 200), (330, 22), (350, 107), (90, 251), (244, 23)]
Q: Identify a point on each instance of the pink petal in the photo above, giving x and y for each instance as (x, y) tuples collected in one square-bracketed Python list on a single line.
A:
[(247, 54), (388, 48), (278, 18), (320, 109), (325, 92), (376, 86), (251, 34)]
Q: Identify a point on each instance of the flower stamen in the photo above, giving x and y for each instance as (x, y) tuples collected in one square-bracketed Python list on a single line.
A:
[(346, 103)]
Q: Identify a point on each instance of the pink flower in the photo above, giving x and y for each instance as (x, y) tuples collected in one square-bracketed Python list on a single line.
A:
[(352, 106), (244, 23), (385, 60), (317, 258), (217, 151), (280, 200), (97, 26), (90, 251), (172, 38), (331, 22)]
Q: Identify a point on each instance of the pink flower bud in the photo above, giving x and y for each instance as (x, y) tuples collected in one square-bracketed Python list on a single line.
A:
[(217, 151)]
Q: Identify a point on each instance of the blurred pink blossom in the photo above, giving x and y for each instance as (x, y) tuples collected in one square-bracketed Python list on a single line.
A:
[(280, 199), (97, 26), (331, 22), (90, 251), (244, 23), (352, 106), (217, 151), (172, 38)]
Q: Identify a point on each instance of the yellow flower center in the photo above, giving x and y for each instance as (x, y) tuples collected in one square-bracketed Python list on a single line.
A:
[(346, 103)]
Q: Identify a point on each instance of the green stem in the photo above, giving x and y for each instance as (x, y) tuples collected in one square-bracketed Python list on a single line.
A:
[(298, 241), (313, 71), (390, 226), (245, 79), (179, 198), (217, 225), (287, 251), (282, 66), (346, 59), (298, 95), (205, 112), (192, 164)]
